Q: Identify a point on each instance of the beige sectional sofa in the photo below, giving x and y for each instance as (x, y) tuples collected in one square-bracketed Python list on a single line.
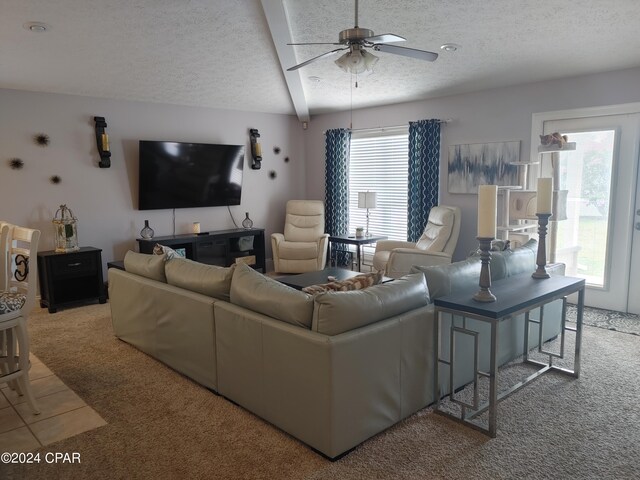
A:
[(332, 369)]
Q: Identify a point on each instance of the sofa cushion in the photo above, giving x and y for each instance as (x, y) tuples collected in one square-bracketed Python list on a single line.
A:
[(521, 259), (209, 280), (11, 302), (445, 279), (145, 265), (338, 312), (257, 292), (354, 283)]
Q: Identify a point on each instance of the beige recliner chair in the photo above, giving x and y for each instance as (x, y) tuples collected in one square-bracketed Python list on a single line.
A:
[(435, 246), (303, 246)]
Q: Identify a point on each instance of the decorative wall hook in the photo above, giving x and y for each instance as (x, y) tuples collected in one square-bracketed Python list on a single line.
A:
[(102, 140), (256, 149)]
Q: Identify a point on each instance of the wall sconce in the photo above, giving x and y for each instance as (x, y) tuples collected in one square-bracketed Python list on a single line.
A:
[(256, 149), (102, 140)]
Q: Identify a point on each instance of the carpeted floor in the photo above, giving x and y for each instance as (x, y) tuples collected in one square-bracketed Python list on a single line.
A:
[(162, 425), (609, 319)]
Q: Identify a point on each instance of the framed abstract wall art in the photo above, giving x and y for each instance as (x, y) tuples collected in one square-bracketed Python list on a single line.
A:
[(476, 164)]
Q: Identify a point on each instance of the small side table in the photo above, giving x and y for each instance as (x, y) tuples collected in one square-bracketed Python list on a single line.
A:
[(71, 277), (117, 264), (357, 241)]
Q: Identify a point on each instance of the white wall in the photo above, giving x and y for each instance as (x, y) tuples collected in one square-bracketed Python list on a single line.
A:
[(105, 200), (490, 116)]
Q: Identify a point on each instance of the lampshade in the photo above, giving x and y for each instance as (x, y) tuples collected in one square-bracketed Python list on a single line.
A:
[(367, 200), (357, 60)]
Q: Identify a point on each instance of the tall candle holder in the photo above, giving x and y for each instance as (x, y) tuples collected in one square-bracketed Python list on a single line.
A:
[(484, 294), (541, 259)]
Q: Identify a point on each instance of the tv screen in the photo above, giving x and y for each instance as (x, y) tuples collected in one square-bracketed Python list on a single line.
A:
[(187, 175)]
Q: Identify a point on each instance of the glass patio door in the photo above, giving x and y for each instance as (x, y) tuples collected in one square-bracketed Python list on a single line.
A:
[(597, 239)]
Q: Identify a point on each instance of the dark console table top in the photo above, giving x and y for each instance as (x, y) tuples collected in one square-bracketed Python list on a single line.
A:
[(513, 294)]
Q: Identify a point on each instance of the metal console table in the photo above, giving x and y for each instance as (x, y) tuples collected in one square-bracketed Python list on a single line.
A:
[(515, 295)]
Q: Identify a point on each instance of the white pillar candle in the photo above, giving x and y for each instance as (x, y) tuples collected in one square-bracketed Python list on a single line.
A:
[(487, 210), (545, 195), (196, 227)]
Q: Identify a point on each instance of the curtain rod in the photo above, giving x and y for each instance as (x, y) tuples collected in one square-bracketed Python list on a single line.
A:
[(390, 127)]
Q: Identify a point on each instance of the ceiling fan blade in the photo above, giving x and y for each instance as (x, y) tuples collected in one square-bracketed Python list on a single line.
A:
[(317, 43), (406, 52), (385, 38), (327, 54)]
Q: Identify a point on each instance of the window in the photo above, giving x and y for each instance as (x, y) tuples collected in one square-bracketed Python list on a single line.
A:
[(583, 238), (379, 163)]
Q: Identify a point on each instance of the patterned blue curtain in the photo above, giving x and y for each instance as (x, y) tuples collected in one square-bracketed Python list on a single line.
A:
[(424, 174), (337, 142)]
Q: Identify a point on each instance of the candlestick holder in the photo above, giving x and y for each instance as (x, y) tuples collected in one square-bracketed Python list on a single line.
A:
[(484, 294), (541, 258)]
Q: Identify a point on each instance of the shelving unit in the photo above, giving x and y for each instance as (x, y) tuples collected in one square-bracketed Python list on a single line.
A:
[(554, 153), (566, 147), (519, 219), (222, 247)]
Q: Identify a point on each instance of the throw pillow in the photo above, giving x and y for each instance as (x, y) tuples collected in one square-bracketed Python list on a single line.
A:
[(168, 251), (354, 283), (149, 266)]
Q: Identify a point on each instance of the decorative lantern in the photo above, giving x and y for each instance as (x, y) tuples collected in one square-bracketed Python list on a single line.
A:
[(65, 226)]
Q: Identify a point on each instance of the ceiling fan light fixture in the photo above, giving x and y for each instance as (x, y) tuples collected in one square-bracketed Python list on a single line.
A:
[(357, 61)]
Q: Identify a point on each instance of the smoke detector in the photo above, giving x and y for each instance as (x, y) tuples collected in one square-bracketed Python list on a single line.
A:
[(36, 27)]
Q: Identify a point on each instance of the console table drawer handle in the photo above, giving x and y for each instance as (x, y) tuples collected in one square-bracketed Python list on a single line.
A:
[(77, 264)]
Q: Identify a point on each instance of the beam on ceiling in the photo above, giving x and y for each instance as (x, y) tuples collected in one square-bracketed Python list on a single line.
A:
[(281, 34)]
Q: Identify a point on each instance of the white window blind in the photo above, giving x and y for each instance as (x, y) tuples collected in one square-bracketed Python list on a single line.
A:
[(379, 163)]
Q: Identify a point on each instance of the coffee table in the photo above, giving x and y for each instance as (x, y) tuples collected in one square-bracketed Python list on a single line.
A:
[(321, 276)]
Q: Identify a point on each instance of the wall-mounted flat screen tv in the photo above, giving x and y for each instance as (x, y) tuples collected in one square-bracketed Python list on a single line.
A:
[(187, 175)]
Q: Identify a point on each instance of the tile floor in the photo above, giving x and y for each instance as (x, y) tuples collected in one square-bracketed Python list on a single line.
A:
[(63, 413)]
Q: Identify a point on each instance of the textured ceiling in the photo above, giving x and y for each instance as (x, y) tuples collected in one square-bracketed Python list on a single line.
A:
[(214, 53), (220, 53)]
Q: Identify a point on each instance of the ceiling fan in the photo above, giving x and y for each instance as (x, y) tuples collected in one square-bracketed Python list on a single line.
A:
[(356, 40)]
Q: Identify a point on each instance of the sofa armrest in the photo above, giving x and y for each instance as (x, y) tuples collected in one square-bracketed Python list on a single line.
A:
[(277, 237), (384, 245), (323, 242), (556, 268), (402, 259)]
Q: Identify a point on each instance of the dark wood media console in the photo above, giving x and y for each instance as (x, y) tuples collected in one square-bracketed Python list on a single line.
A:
[(222, 247)]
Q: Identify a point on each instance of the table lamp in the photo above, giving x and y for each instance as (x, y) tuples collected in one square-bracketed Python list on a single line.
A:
[(367, 200)]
